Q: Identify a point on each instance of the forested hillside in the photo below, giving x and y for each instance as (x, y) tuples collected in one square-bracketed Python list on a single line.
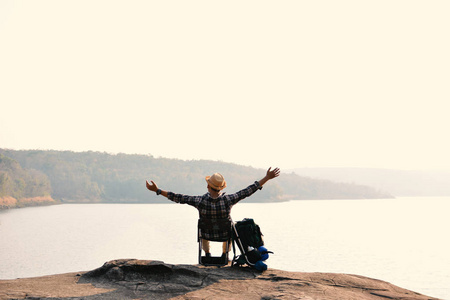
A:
[(19, 187), (102, 177)]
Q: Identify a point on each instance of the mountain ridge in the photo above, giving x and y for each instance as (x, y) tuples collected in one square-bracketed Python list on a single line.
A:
[(400, 183), (98, 177)]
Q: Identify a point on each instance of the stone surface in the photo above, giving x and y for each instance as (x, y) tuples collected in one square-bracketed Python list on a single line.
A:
[(140, 279)]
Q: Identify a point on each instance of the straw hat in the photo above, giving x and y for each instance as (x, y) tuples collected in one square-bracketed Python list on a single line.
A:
[(216, 181)]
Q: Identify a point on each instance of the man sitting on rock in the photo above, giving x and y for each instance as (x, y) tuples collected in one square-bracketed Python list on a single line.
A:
[(215, 204)]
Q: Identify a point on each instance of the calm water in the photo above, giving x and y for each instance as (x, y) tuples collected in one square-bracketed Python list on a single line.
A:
[(403, 241)]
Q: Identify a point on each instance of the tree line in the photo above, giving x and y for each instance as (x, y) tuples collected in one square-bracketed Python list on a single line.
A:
[(69, 176), (22, 187)]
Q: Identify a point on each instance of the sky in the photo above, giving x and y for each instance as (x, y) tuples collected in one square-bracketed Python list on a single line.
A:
[(259, 83)]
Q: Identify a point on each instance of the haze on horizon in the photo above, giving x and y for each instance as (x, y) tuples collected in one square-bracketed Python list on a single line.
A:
[(290, 84)]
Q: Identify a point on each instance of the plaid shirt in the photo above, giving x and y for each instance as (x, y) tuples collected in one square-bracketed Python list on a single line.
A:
[(210, 208)]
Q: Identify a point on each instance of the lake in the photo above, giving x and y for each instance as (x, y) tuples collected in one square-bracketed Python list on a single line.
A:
[(403, 241)]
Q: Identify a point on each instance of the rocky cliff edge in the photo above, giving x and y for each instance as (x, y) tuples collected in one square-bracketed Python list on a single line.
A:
[(143, 279)]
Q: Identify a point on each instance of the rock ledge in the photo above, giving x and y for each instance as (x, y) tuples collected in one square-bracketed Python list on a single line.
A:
[(143, 279)]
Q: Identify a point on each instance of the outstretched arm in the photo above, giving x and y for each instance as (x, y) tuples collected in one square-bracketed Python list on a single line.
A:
[(154, 188), (244, 193), (178, 198), (271, 174)]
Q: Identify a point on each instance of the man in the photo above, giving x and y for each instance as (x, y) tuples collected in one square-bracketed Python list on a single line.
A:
[(215, 204)]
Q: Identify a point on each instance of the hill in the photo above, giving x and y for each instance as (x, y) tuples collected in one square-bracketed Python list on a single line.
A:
[(21, 187), (400, 183), (102, 177)]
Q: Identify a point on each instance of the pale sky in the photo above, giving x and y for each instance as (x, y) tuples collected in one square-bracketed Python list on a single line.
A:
[(259, 83)]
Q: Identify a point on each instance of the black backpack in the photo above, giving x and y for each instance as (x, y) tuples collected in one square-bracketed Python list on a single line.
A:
[(249, 238)]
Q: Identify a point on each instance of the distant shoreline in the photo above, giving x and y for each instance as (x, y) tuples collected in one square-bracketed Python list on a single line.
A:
[(62, 202), (12, 203)]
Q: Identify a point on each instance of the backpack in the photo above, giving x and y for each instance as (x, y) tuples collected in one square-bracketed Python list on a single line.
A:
[(249, 238), (249, 233)]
